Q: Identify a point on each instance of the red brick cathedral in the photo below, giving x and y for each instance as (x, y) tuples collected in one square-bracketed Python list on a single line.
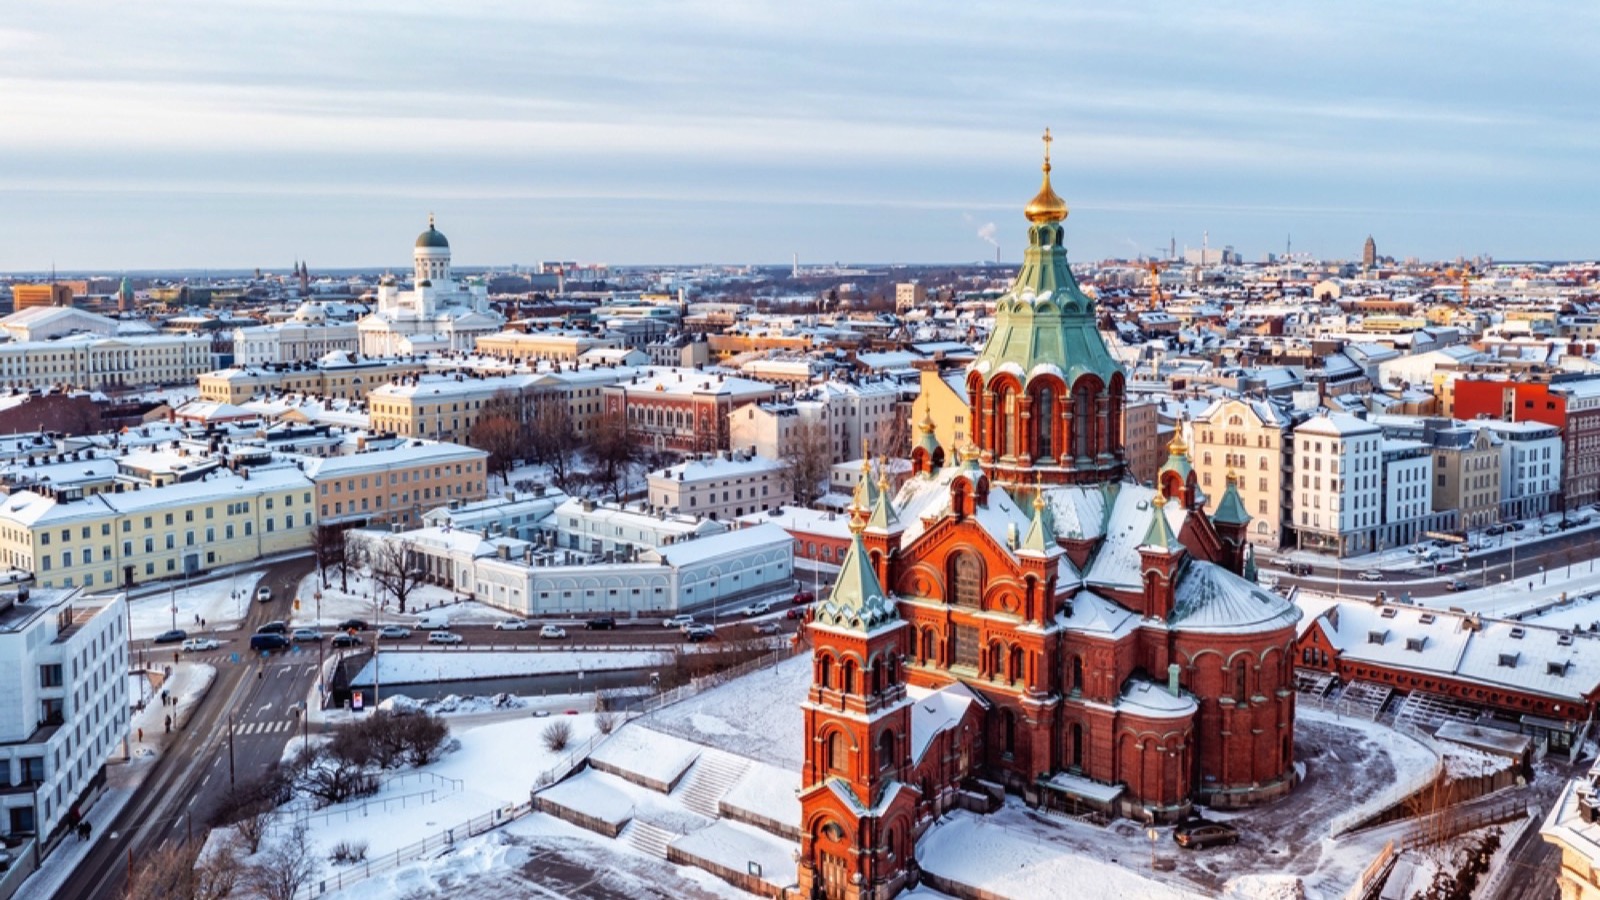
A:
[(1020, 616)]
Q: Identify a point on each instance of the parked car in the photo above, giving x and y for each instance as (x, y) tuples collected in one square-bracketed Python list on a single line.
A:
[(552, 632), (345, 640), (796, 612), (1299, 568), (443, 637), (1457, 584), (767, 627), (197, 645), (171, 637), (511, 625), (263, 593), (353, 625), (697, 633), (1197, 834), (1371, 575), (1517, 526), (394, 632), (758, 608), (274, 628), (1493, 530), (601, 623), (268, 642), (305, 634), (1547, 528), (678, 622), (802, 597)]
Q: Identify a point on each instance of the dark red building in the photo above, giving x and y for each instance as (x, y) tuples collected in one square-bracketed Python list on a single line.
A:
[(1570, 404)]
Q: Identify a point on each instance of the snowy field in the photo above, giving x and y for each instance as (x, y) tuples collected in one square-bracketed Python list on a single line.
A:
[(337, 604), (222, 603), (757, 716), (417, 666)]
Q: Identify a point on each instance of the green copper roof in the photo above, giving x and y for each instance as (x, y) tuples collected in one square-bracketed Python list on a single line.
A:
[(930, 443), (857, 600), (1160, 533), (883, 517), (433, 237), (1041, 536), (1045, 318), (1230, 509)]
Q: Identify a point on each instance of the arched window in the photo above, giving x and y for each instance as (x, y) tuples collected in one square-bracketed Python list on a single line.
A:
[(1077, 675), (930, 647), (996, 657), (847, 676), (1075, 748), (1240, 677), (886, 749), (1044, 419), (1014, 670), (835, 752), (1008, 422), (967, 580), (1082, 414), (825, 671)]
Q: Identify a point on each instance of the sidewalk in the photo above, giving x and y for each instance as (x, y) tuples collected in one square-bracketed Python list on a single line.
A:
[(147, 733)]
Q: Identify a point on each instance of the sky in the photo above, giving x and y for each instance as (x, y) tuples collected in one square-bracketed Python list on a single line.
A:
[(252, 133)]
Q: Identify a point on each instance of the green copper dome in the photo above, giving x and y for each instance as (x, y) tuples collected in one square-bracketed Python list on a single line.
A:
[(433, 237)]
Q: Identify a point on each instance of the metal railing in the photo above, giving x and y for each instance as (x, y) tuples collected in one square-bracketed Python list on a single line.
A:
[(447, 838)]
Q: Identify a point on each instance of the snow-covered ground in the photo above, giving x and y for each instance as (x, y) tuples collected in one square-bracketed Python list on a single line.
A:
[(415, 666), (222, 603), (756, 716), (337, 604)]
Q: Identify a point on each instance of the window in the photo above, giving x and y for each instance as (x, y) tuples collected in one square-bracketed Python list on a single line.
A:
[(967, 573), (50, 675), (967, 650)]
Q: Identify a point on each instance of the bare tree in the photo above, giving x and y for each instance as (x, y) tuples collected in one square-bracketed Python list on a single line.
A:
[(892, 436), (286, 867), (395, 573), (807, 457), (328, 546), (176, 871), (342, 771), (614, 448), (499, 432), (249, 806), (557, 735), (553, 438)]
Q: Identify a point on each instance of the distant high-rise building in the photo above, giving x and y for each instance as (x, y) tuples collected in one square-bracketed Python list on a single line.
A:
[(1369, 253), (48, 294)]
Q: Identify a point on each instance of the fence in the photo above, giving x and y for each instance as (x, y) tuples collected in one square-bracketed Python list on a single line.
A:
[(1447, 823), (365, 869), (1373, 875), (301, 808)]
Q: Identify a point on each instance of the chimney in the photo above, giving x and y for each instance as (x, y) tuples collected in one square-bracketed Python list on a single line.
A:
[(1172, 678)]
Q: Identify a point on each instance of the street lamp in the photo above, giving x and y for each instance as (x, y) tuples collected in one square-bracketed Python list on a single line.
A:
[(1544, 577)]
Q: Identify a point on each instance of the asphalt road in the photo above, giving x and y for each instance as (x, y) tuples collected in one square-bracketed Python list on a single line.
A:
[(186, 783)]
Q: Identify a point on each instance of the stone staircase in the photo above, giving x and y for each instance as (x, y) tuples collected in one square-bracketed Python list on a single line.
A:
[(715, 774), (648, 838)]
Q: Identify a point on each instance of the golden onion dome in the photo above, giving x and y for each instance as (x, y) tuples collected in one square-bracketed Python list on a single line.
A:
[(1046, 206)]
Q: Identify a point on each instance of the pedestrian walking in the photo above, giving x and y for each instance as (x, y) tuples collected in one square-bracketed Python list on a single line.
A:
[(140, 733), (169, 724)]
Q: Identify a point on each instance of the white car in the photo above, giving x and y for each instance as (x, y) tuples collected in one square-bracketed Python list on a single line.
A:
[(194, 645), (306, 634), (444, 637), (756, 609), (511, 625), (679, 622), (1371, 575), (552, 632), (263, 593)]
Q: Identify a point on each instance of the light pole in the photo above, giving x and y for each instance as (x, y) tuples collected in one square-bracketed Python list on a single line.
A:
[(230, 751)]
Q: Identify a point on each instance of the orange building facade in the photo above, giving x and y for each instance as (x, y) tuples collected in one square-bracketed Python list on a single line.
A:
[(1022, 613)]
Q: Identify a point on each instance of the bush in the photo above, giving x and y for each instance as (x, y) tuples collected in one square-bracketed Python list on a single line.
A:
[(346, 852), (557, 735), (606, 722)]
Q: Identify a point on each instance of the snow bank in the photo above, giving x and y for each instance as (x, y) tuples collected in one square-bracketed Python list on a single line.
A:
[(645, 756), (734, 846), (1013, 863), (423, 666), (223, 603), (594, 794), (767, 792), (1264, 887)]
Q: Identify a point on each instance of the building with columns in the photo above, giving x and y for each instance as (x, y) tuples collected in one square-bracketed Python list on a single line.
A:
[(1102, 639), (438, 314)]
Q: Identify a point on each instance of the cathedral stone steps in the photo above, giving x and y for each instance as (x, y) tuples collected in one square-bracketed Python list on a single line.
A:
[(715, 774), (648, 838)]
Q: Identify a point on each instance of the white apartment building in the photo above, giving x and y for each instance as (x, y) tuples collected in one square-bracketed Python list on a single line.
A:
[(305, 338), (63, 701), (1338, 491), (95, 362), (849, 413), (1530, 466), (598, 528), (516, 514), (1407, 492), (719, 486)]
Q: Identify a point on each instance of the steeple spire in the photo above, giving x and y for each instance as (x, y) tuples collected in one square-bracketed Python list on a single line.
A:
[(883, 517), (1046, 206), (1041, 536), (1159, 535), (857, 601)]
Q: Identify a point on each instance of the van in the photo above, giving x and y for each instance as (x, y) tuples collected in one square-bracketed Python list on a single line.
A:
[(433, 621), (268, 642)]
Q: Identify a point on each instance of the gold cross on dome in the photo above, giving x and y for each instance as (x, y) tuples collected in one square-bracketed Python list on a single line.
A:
[(1047, 140)]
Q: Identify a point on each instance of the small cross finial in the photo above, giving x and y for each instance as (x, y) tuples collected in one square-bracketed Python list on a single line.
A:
[(1047, 140), (1046, 156)]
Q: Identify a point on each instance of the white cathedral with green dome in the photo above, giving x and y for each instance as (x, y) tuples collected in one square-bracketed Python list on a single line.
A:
[(439, 314)]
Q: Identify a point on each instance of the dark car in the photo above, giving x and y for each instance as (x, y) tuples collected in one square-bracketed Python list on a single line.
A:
[(353, 625), (1299, 568), (344, 640), (172, 637), (602, 623), (796, 612), (1456, 584), (268, 642), (274, 628), (1198, 834), (1496, 529), (694, 634)]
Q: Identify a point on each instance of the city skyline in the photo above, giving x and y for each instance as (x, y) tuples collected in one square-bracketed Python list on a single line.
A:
[(255, 135)]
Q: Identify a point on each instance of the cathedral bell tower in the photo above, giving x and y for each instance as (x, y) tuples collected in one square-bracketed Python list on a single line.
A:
[(857, 811), (1046, 397)]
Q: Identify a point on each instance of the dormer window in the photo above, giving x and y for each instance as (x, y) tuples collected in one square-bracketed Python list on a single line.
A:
[(1377, 637), (1388, 613), (1509, 660), (1416, 643), (1426, 618), (1564, 640), (1558, 669), (1518, 633)]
